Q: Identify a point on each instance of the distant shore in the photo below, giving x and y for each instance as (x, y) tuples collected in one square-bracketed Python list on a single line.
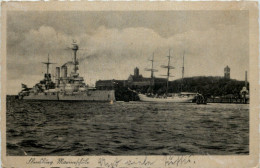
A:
[(209, 100)]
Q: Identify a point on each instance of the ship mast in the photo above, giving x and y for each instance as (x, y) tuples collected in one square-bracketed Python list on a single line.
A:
[(48, 64), (182, 76), (168, 71), (152, 60), (152, 71)]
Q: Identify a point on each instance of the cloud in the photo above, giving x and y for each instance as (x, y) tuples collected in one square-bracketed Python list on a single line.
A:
[(110, 53)]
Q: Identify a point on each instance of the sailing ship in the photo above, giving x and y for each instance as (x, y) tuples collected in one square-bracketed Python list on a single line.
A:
[(182, 97), (66, 87)]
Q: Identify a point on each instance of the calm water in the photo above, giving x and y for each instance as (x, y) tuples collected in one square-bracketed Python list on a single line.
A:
[(125, 128)]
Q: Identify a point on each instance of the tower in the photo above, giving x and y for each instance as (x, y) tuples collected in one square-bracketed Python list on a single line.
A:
[(227, 72), (136, 72)]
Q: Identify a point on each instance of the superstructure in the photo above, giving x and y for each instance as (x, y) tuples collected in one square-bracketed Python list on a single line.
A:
[(66, 86)]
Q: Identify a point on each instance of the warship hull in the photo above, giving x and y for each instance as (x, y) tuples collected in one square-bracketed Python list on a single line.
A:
[(39, 97), (96, 95)]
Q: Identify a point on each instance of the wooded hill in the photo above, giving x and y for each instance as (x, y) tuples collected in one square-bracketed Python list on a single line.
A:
[(208, 86)]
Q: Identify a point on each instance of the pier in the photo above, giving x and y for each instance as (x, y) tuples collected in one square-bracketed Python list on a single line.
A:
[(228, 100)]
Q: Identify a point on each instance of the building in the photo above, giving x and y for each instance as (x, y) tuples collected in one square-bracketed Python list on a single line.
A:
[(110, 84), (227, 72), (136, 71), (138, 80)]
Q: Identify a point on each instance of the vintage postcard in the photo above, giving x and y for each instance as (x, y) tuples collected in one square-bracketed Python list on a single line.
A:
[(129, 84)]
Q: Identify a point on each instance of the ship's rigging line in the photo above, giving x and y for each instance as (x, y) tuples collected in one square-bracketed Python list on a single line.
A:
[(168, 71), (152, 71), (48, 63)]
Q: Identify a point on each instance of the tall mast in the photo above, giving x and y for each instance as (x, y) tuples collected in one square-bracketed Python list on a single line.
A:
[(152, 60), (48, 63), (152, 70), (182, 76), (168, 71)]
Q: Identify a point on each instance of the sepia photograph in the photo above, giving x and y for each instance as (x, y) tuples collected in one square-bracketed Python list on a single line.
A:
[(128, 83)]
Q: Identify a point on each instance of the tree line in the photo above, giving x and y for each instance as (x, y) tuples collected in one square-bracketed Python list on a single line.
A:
[(207, 86)]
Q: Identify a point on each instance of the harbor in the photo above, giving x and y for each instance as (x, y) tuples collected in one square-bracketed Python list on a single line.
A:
[(137, 88), (62, 128), (212, 89), (119, 83)]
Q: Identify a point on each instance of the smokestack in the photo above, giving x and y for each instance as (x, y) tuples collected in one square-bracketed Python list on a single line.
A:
[(57, 79), (246, 79), (64, 71)]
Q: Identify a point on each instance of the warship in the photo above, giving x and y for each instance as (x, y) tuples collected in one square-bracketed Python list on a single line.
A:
[(182, 97), (66, 87)]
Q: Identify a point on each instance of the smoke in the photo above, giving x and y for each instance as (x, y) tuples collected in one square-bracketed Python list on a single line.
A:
[(68, 63), (114, 53), (114, 47), (88, 57)]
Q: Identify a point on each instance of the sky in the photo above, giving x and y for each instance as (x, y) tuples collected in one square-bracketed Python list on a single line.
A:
[(113, 43)]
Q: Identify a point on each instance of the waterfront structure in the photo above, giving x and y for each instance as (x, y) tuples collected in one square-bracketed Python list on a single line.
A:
[(227, 72)]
